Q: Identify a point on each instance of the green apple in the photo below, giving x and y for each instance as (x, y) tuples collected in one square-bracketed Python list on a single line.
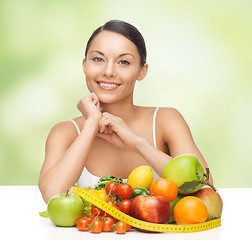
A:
[(64, 209), (186, 171)]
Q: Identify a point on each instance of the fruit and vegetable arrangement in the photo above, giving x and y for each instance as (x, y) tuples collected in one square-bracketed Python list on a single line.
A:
[(180, 197)]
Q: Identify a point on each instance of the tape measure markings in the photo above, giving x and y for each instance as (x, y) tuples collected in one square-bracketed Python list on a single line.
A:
[(143, 224)]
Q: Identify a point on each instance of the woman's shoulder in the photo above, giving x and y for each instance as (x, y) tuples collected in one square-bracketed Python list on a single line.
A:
[(162, 113), (169, 113), (171, 122), (66, 128)]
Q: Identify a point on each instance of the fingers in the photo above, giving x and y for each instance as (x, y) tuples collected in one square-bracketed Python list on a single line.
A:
[(104, 124), (109, 123), (89, 106), (96, 100)]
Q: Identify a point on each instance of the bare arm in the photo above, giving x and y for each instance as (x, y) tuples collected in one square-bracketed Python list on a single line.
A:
[(65, 158), (115, 130), (177, 135)]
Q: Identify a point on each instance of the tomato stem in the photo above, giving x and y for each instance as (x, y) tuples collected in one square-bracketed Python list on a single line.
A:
[(117, 181)]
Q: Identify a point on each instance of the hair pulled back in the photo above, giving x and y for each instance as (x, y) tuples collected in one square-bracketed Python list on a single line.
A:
[(125, 29)]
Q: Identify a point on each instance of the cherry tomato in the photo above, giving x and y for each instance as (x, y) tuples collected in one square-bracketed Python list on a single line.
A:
[(115, 205), (95, 211), (96, 226), (125, 206), (110, 202), (121, 227), (124, 191), (110, 185), (107, 225), (83, 223), (128, 227)]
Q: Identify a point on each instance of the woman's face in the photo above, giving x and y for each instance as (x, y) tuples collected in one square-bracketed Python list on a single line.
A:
[(112, 67)]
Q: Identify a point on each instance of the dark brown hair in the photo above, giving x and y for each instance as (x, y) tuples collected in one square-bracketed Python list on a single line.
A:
[(127, 30)]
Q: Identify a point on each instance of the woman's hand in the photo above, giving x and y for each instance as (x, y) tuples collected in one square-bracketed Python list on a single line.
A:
[(89, 106), (114, 130)]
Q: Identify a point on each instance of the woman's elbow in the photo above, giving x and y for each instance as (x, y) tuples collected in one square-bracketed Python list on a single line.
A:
[(44, 191)]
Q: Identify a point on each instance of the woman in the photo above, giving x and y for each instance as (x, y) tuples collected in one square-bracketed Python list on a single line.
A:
[(113, 136)]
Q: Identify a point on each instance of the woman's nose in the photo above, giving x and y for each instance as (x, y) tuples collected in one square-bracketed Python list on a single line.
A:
[(109, 70)]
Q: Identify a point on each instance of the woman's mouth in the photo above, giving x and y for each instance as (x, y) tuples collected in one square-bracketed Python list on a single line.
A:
[(108, 86)]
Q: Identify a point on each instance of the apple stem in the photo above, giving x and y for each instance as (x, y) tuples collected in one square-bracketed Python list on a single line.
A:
[(207, 182), (67, 192)]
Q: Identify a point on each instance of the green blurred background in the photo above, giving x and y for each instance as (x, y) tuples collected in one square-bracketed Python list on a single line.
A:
[(199, 55)]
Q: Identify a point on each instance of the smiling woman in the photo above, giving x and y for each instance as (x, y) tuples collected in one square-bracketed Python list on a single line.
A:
[(113, 135), (118, 60)]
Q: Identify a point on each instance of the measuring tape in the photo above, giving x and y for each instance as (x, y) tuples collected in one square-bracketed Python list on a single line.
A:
[(142, 224)]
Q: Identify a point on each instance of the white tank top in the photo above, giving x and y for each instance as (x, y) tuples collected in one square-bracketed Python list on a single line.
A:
[(88, 179)]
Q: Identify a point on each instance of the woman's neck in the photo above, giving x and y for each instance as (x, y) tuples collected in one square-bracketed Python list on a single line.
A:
[(123, 110)]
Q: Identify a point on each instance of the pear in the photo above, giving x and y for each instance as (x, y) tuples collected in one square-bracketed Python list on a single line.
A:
[(212, 200)]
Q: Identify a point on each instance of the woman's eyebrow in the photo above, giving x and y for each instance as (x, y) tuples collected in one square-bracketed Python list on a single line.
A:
[(98, 52), (123, 54)]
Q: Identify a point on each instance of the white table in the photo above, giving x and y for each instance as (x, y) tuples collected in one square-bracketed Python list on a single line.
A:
[(20, 207)]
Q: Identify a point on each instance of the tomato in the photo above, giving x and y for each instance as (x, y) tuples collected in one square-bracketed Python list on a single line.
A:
[(83, 223), (139, 191), (95, 211), (107, 225), (115, 205), (125, 206), (110, 185), (110, 202), (128, 227), (96, 226), (124, 191), (121, 227)]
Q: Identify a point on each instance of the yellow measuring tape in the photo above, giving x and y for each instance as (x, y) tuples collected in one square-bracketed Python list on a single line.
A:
[(142, 224)]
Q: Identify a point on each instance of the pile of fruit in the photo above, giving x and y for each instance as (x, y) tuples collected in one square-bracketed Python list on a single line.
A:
[(178, 197)]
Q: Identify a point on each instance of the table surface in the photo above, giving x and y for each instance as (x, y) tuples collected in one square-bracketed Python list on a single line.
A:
[(20, 207)]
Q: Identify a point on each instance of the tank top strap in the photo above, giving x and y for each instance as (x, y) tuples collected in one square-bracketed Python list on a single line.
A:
[(75, 124), (154, 127)]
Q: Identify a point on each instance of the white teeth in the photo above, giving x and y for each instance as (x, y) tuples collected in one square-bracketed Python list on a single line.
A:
[(108, 85)]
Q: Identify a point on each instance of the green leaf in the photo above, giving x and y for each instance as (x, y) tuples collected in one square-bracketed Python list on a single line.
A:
[(44, 214), (107, 178), (189, 186)]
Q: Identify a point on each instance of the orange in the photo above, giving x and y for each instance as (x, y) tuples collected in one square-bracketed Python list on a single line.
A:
[(164, 187), (190, 210)]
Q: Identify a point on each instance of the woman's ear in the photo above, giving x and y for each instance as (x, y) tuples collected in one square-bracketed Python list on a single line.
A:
[(142, 73), (84, 65)]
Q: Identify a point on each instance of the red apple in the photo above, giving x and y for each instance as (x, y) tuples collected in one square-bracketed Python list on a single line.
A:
[(155, 209), (212, 201)]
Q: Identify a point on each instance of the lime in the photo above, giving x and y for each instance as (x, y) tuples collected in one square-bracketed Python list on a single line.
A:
[(141, 177), (172, 204)]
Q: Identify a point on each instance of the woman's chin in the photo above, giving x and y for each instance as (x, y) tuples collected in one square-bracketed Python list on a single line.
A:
[(107, 99)]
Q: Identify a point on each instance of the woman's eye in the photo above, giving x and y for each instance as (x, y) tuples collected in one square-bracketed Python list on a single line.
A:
[(124, 62), (97, 59)]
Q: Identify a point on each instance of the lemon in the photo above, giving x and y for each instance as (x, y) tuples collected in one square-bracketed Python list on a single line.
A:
[(141, 176)]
